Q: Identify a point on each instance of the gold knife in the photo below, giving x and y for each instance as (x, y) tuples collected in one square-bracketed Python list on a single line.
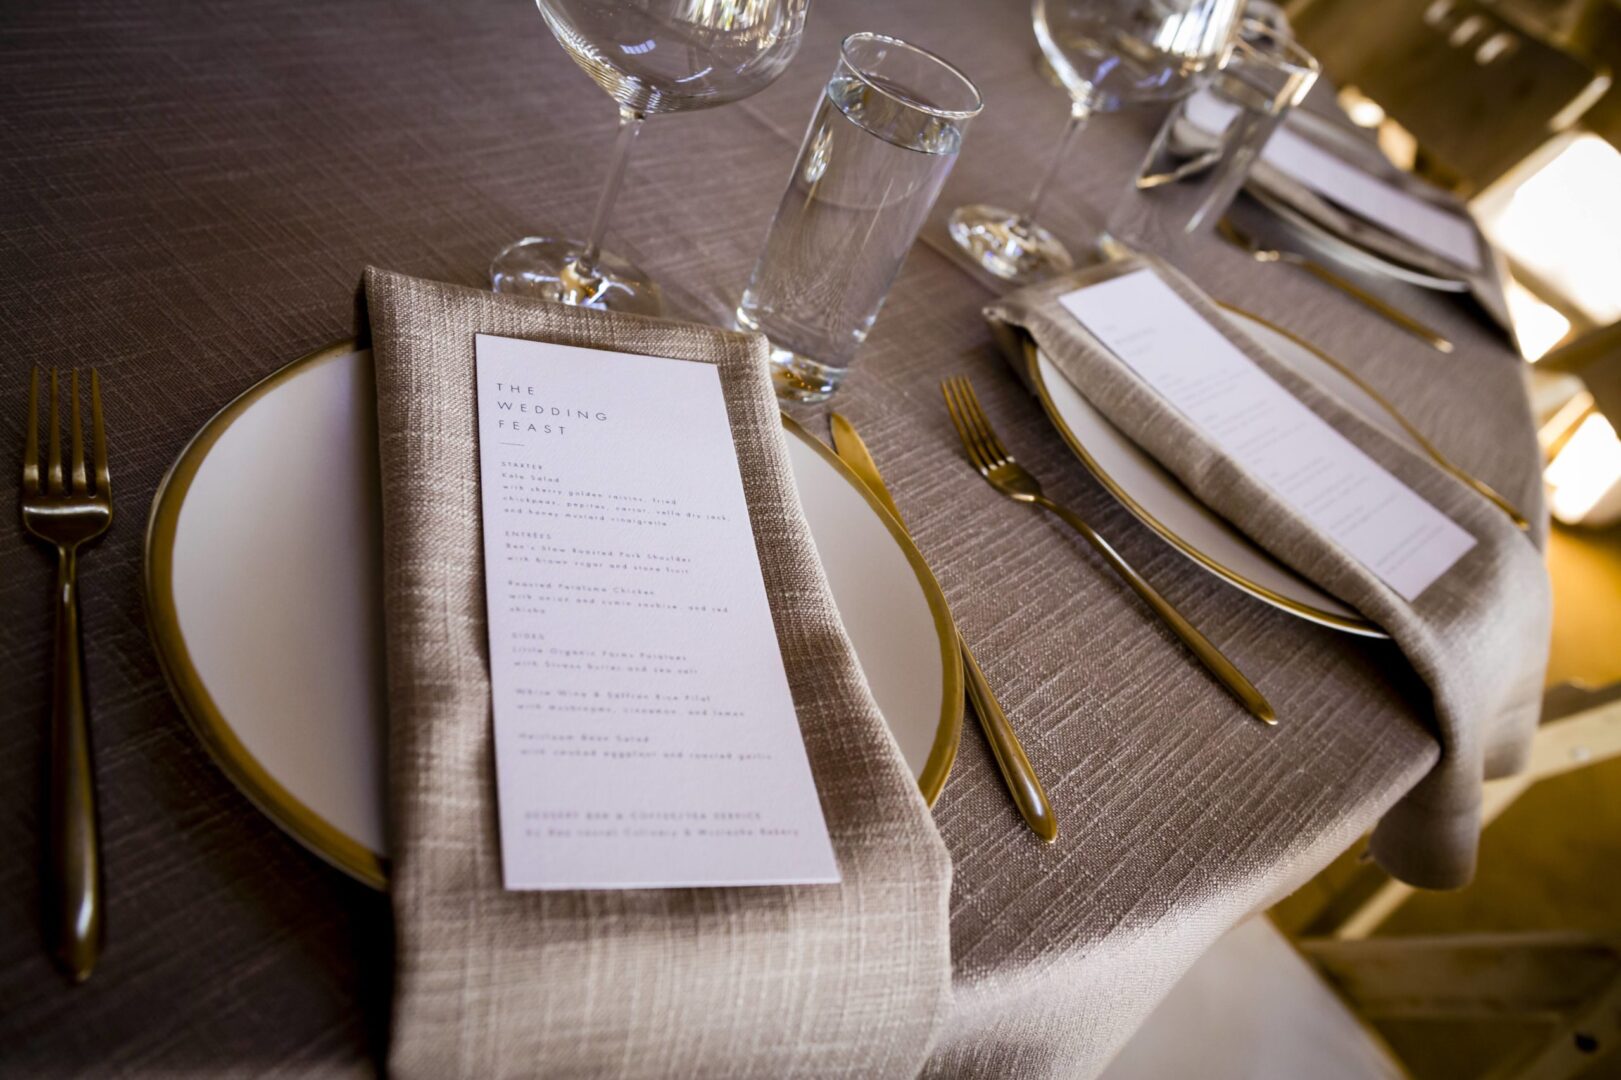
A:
[(1261, 253), (1022, 782)]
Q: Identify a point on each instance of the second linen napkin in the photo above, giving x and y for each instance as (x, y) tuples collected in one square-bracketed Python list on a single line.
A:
[(1478, 635), (654, 982)]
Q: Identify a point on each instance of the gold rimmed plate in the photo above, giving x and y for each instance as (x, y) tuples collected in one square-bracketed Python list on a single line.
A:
[(263, 572)]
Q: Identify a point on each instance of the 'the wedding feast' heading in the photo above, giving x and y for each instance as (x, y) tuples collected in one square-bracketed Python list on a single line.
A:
[(523, 416)]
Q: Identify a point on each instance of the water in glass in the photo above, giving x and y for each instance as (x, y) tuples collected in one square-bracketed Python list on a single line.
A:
[(867, 175)]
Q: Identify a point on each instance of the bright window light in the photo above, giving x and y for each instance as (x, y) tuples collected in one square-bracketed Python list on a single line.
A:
[(1362, 109), (1538, 326), (1587, 469), (1563, 222)]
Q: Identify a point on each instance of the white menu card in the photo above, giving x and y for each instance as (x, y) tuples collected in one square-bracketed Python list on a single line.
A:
[(644, 732), (1408, 216), (1270, 433)]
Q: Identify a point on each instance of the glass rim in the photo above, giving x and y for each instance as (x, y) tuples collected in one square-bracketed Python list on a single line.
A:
[(899, 96), (1281, 51)]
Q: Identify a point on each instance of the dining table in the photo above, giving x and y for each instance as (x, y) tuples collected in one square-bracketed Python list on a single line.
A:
[(189, 194)]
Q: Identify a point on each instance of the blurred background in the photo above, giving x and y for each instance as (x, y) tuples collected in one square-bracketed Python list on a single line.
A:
[(1514, 105)]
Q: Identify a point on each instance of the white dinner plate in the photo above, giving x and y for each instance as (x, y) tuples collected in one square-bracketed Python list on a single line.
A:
[(1160, 501), (264, 596)]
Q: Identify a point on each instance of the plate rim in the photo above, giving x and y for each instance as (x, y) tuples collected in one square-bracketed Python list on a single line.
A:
[(1358, 625), (185, 683), (268, 795), (1365, 259), (948, 735)]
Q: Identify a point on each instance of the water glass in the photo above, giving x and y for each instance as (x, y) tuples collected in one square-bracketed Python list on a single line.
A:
[(1216, 135), (880, 144)]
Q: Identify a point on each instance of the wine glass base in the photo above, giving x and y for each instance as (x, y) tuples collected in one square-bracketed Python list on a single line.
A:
[(1007, 245), (548, 269), (1112, 248)]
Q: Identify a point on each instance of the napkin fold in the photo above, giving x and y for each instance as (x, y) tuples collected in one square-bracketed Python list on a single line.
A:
[(832, 980), (1478, 636)]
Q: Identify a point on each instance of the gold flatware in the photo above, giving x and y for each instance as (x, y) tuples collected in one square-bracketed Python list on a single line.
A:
[(1006, 475), (1022, 782), (1261, 253), (66, 508)]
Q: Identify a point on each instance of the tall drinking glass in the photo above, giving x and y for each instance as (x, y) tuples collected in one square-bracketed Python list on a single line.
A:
[(881, 142), (1107, 54), (651, 56), (1217, 134)]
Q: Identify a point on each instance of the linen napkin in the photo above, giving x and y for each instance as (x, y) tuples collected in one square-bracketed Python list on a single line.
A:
[(1478, 636), (835, 980)]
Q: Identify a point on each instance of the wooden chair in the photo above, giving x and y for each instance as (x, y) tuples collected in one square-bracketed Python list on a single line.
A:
[(1478, 87), (1531, 1005)]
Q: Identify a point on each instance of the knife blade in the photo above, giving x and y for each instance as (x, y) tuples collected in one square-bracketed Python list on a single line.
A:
[(1023, 784)]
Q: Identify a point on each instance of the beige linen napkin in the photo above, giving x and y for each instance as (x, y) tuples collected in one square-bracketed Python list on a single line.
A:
[(1478, 636), (831, 980)]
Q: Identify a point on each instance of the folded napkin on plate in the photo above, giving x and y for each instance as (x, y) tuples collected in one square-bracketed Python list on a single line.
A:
[(653, 982), (1478, 636)]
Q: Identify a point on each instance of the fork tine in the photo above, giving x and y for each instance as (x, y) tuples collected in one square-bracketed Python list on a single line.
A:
[(978, 412), (975, 418), (975, 457), (53, 442), (98, 440), (81, 483), (31, 438), (971, 421)]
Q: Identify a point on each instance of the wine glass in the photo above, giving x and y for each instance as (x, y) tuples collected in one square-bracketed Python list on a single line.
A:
[(651, 56), (1106, 54)]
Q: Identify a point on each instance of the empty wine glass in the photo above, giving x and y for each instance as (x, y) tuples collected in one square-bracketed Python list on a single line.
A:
[(651, 56), (1107, 54)]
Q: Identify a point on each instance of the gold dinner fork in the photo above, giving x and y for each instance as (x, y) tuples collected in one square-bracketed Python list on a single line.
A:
[(1004, 474), (68, 508)]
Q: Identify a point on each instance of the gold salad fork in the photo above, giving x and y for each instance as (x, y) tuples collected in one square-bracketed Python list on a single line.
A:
[(66, 508), (1004, 474)]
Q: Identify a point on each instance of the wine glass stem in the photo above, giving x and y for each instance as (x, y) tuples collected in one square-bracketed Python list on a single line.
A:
[(630, 125), (1079, 113)]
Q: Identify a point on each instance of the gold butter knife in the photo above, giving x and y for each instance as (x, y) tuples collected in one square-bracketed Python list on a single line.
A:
[(1028, 794), (1261, 253)]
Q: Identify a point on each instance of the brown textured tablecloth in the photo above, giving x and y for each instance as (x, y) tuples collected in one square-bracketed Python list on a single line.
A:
[(188, 192)]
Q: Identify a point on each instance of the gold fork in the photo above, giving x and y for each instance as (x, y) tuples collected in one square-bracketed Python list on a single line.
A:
[(1004, 474), (68, 518)]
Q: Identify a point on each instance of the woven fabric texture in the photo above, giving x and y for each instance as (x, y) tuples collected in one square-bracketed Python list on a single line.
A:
[(188, 193)]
